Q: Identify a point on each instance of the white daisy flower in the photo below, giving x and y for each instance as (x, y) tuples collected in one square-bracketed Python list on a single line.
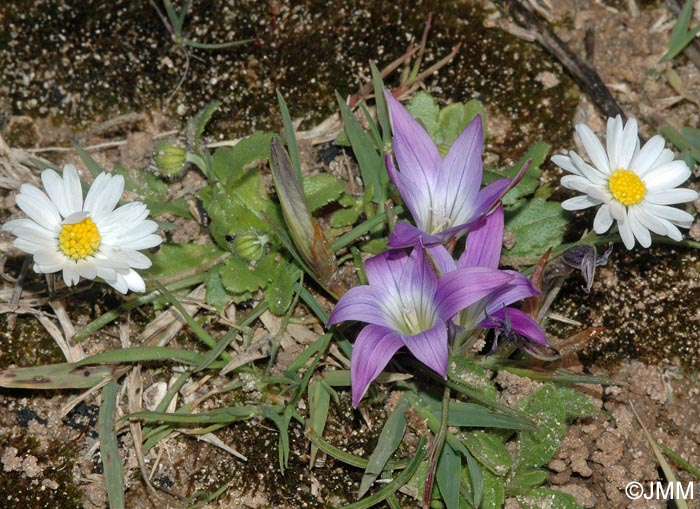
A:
[(633, 187), (89, 239)]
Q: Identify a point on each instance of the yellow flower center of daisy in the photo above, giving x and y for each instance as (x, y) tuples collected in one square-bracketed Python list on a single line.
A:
[(626, 187), (79, 240)]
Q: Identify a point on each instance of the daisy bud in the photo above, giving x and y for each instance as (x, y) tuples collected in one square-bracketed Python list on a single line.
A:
[(169, 159)]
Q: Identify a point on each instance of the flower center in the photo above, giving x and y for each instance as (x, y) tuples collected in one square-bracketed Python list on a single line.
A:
[(626, 187), (79, 240)]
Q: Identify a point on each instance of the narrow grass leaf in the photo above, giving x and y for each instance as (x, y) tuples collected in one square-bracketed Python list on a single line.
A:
[(389, 440), (319, 404), (290, 137), (92, 166), (109, 447), (370, 161), (142, 353), (680, 36)]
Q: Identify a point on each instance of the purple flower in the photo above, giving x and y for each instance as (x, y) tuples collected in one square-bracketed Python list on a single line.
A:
[(444, 196), (484, 250), (406, 304)]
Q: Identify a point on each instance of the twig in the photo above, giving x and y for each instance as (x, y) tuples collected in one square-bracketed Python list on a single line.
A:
[(584, 75)]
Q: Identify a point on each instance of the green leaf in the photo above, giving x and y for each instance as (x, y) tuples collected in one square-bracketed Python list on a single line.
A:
[(217, 295), (537, 155), (290, 137), (322, 189), (426, 111), (552, 499), (524, 481), (345, 217), (153, 191), (489, 450), (494, 492), (241, 277), (551, 407), (448, 476), (680, 35), (537, 226), (464, 369), (231, 163), (280, 291), (389, 440), (172, 258)]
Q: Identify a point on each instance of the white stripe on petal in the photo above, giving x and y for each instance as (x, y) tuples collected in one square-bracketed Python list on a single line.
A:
[(667, 176), (135, 282), (588, 171), (146, 242), (50, 257), (594, 148), (648, 220), (70, 274), (576, 182)]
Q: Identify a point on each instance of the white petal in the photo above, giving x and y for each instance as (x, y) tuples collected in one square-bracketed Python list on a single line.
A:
[(27, 245), (626, 234), (70, 274), (628, 144), (671, 196), (678, 216), (638, 229), (649, 220), (135, 282), (594, 148), (588, 171), (53, 184), (72, 188), (565, 163), (666, 157), (21, 225), (674, 232), (49, 257), (579, 203), (603, 220), (146, 242), (119, 284), (86, 269), (128, 257), (36, 235), (647, 156), (103, 195), (39, 207), (613, 139), (576, 182), (618, 211), (600, 193), (667, 176)]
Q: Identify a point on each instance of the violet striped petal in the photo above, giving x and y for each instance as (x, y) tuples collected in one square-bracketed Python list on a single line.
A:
[(361, 303), (462, 287), (430, 347), (516, 289), (484, 242), (520, 322), (373, 349)]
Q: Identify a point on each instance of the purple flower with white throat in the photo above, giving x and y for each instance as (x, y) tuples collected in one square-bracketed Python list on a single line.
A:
[(483, 249), (406, 304), (444, 195)]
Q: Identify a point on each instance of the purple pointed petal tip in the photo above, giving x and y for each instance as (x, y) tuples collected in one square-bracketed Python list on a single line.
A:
[(373, 349)]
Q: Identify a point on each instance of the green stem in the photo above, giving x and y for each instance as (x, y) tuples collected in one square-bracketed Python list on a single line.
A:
[(362, 228)]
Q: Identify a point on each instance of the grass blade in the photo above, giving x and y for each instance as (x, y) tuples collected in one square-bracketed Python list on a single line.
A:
[(109, 447)]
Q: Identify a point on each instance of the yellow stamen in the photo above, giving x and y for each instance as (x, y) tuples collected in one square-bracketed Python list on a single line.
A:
[(79, 240), (626, 187)]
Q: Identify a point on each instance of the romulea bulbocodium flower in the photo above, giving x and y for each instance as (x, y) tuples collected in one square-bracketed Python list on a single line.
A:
[(84, 238)]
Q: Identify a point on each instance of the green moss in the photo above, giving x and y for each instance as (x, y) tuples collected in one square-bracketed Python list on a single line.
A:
[(53, 488)]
